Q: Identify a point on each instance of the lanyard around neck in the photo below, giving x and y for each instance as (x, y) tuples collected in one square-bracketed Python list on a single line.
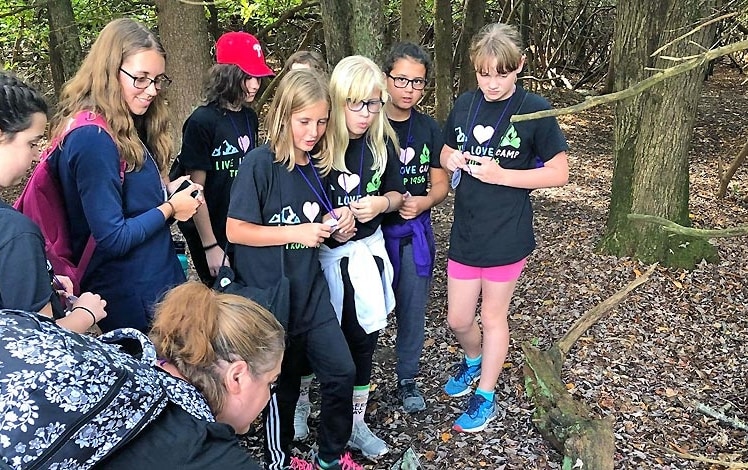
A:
[(496, 126), (322, 195), (238, 134)]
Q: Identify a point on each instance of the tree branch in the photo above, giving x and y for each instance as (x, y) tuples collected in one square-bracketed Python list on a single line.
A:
[(285, 16), (593, 316), (701, 459), (670, 226), (636, 88)]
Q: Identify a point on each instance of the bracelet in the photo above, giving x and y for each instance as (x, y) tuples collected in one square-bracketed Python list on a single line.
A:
[(87, 310), (388, 202), (210, 247), (173, 209)]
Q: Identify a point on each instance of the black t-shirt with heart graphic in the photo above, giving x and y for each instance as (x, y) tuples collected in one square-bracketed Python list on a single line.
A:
[(421, 143), (492, 223), (216, 140), (363, 181), (266, 193)]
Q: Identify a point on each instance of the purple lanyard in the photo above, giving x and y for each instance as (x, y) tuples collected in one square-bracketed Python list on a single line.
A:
[(496, 126), (361, 166), (238, 134), (410, 126), (322, 197)]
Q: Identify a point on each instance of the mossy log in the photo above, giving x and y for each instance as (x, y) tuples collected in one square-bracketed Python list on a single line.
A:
[(569, 425)]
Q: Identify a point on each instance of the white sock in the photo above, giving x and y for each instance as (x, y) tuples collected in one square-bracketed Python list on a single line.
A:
[(360, 399), (306, 383)]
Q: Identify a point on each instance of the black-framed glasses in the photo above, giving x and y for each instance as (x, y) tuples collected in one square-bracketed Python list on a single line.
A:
[(161, 82), (374, 106), (402, 82)]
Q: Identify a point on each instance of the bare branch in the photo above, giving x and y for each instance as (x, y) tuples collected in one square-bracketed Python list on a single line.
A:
[(670, 226), (636, 88), (701, 459), (702, 25)]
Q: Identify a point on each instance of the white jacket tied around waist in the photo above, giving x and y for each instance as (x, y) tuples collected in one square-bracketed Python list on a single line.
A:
[(374, 300)]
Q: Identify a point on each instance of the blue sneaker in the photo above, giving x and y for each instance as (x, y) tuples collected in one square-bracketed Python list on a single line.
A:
[(460, 383), (479, 413)]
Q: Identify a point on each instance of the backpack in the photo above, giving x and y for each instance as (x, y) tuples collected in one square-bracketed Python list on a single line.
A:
[(42, 202), (69, 400)]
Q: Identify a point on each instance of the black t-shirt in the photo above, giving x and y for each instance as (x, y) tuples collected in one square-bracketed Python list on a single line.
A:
[(492, 223), (215, 140), (421, 143), (26, 279), (178, 440), (256, 196), (362, 181)]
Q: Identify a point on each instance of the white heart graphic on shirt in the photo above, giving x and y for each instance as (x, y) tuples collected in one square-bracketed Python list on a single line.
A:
[(407, 155), (348, 182), (311, 210), (482, 134), (244, 142)]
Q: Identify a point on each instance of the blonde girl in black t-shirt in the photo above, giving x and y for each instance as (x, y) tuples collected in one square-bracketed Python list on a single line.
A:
[(365, 178), (277, 213), (494, 165)]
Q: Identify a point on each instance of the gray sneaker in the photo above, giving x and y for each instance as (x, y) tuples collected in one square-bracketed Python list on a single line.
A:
[(408, 392), (300, 417), (364, 440)]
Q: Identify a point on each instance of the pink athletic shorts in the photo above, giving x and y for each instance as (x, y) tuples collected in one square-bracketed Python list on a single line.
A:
[(505, 273)]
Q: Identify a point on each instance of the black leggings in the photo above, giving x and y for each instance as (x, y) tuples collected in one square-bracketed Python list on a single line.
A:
[(361, 344)]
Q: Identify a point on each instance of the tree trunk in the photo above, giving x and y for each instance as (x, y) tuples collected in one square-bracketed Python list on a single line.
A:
[(653, 132), (65, 53), (183, 30), (471, 23), (336, 20), (367, 29), (443, 73), (410, 20)]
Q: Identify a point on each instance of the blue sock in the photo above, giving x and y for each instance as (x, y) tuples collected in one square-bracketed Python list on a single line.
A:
[(487, 395), (324, 464), (473, 361)]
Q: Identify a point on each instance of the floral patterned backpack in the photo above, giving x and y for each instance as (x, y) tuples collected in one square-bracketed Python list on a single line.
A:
[(69, 400)]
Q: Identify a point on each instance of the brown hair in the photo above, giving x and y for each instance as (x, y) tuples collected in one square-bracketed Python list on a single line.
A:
[(199, 330), (96, 87), (496, 41), (311, 58)]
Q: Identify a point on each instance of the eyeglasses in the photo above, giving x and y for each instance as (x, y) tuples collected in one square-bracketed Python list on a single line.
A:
[(161, 82), (402, 82), (374, 106)]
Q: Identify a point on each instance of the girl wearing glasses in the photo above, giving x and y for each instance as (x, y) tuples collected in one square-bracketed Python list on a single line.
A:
[(407, 233), (366, 178), (113, 180), (494, 169), (215, 138)]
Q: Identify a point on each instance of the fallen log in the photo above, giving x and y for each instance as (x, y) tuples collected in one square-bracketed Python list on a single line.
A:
[(569, 425)]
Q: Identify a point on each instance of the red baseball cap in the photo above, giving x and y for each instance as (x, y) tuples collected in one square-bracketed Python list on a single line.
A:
[(243, 50)]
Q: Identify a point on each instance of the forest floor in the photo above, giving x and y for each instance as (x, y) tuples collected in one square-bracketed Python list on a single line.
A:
[(679, 339)]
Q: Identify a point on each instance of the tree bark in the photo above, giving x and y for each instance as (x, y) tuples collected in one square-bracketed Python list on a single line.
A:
[(443, 72), (336, 20), (410, 20), (367, 29), (183, 30), (653, 132), (473, 21), (65, 53)]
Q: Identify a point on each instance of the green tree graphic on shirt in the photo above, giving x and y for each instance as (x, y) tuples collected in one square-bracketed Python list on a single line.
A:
[(511, 138), (425, 155), (374, 184)]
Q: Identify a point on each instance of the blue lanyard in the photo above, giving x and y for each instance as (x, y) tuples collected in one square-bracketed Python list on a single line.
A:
[(361, 166), (322, 197), (238, 134), (495, 127)]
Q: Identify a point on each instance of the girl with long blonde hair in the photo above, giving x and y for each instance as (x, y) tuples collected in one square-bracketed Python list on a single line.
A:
[(366, 179), (112, 173)]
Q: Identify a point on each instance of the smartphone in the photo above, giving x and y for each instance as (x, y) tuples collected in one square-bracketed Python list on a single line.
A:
[(184, 185)]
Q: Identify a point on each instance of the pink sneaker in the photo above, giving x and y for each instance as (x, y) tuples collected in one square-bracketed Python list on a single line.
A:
[(347, 463), (300, 464)]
